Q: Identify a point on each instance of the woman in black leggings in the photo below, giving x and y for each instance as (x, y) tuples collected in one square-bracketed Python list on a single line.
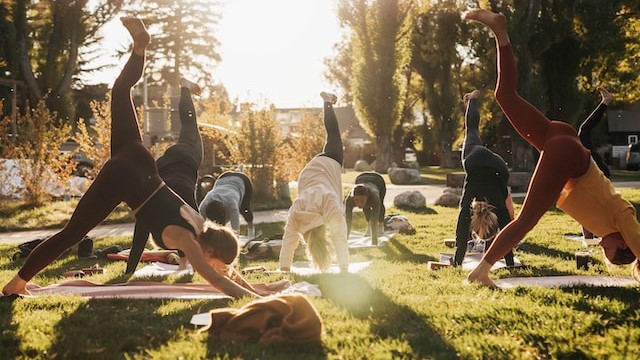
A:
[(131, 176), (177, 167), (486, 182)]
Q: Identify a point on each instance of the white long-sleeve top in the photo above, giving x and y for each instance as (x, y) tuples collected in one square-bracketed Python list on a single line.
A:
[(319, 202)]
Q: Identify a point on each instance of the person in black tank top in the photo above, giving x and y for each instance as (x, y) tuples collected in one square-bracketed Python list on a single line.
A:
[(131, 175), (485, 182), (178, 168)]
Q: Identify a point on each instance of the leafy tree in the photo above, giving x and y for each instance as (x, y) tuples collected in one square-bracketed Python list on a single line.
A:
[(51, 44), (183, 37), (41, 165), (216, 108), (95, 141), (435, 57), (380, 47), (258, 145), (339, 69), (305, 142)]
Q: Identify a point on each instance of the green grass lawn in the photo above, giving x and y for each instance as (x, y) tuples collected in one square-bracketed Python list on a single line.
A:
[(395, 308)]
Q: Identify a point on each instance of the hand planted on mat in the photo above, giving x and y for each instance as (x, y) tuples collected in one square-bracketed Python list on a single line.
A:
[(273, 288)]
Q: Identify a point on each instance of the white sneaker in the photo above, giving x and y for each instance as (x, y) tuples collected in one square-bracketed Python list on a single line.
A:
[(328, 97)]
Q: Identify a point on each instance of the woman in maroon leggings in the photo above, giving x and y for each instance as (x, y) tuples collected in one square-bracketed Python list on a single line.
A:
[(131, 176), (565, 169)]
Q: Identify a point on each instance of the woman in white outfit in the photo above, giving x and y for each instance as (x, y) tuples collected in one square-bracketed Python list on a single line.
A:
[(319, 203)]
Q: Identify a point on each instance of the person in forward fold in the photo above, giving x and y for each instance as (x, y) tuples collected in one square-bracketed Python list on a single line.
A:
[(486, 205), (584, 133), (565, 171), (319, 203), (368, 194), (131, 175), (177, 167)]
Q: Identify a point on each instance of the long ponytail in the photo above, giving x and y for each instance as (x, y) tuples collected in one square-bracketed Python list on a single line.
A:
[(484, 222), (319, 249)]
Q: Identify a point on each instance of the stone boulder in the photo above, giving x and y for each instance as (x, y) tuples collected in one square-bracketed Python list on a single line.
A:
[(402, 176), (455, 191), (448, 199), (362, 165), (412, 199)]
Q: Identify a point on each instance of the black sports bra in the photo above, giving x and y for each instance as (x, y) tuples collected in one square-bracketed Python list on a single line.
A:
[(161, 210)]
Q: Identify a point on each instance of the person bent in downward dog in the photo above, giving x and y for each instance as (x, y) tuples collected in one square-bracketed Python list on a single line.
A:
[(319, 203), (485, 205), (565, 171), (177, 167), (131, 175), (368, 194), (230, 197)]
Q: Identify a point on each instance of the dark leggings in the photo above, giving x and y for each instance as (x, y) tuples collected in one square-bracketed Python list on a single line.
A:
[(475, 155), (179, 164), (178, 167), (562, 156), (333, 145), (584, 133), (130, 176)]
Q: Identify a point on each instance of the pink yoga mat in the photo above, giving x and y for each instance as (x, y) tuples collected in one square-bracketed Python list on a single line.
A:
[(133, 290)]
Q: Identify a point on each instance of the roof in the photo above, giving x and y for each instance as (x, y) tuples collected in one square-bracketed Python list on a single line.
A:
[(624, 120)]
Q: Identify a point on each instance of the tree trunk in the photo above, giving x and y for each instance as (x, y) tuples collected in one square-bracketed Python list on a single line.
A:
[(383, 153)]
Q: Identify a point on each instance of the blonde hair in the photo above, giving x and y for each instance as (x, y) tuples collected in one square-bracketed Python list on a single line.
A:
[(484, 223), (319, 249)]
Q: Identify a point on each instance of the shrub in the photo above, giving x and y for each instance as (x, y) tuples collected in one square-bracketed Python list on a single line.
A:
[(40, 163)]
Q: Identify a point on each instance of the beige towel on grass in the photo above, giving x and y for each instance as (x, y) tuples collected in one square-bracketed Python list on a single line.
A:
[(284, 318)]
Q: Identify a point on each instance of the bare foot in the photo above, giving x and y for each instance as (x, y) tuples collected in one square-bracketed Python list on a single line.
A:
[(496, 22), (472, 95), (607, 98), (328, 97), (138, 33), (15, 286), (480, 275), (193, 87)]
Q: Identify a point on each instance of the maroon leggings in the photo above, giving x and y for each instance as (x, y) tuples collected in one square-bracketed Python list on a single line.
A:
[(562, 156), (130, 176)]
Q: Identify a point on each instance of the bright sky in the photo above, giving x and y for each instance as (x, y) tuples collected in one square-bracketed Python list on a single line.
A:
[(272, 50)]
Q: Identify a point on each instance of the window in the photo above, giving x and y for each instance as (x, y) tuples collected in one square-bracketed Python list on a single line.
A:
[(632, 139)]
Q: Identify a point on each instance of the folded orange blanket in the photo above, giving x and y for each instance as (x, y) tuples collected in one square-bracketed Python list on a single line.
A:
[(269, 320)]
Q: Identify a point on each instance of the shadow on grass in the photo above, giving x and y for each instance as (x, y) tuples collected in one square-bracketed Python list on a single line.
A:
[(113, 328), (9, 340), (421, 211), (387, 319), (536, 249), (397, 251), (585, 303)]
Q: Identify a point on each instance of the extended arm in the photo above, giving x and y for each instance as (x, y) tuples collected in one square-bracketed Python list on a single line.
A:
[(375, 217), (338, 229), (138, 244), (175, 236), (348, 212), (508, 202), (290, 241)]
